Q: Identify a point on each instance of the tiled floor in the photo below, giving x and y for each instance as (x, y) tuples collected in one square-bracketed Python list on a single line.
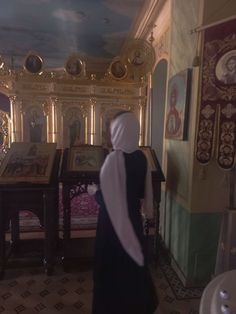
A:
[(29, 291)]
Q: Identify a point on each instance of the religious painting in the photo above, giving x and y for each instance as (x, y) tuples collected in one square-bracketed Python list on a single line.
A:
[(74, 127), (140, 55), (86, 158), (217, 119), (118, 70), (178, 106), (226, 68), (35, 128), (74, 65), (33, 63), (28, 162), (137, 58)]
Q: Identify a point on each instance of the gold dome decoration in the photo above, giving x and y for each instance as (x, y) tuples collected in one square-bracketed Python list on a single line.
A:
[(118, 69), (74, 66), (140, 56), (33, 63)]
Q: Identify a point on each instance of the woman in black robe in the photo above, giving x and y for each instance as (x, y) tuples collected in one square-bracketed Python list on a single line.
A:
[(122, 282)]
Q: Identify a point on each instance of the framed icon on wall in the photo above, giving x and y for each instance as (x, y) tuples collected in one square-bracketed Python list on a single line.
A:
[(178, 105), (118, 69), (33, 63), (74, 66)]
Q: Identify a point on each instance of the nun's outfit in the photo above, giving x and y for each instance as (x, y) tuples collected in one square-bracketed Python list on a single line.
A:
[(122, 282)]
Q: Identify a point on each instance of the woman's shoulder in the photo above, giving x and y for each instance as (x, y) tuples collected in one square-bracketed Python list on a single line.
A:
[(137, 155)]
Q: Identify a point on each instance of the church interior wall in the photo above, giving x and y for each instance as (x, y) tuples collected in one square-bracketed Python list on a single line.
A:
[(192, 212), (179, 155), (178, 160)]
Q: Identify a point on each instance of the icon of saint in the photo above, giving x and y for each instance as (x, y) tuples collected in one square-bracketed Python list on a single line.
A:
[(229, 75), (173, 121)]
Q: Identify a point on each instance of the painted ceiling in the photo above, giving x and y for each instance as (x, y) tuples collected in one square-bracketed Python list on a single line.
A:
[(55, 29)]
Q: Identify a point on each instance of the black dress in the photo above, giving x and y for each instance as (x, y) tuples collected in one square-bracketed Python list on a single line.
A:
[(120, 285)]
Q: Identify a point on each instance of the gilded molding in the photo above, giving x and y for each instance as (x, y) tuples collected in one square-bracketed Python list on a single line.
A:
[(83, 107), (4, 128), (116, 91), (123, 106)]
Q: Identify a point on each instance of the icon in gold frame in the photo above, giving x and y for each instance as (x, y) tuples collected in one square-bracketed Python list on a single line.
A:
[(118, 69), (33, 63), (74, 66)]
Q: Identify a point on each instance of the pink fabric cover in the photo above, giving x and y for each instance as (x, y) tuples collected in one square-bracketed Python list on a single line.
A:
[(84, 211)]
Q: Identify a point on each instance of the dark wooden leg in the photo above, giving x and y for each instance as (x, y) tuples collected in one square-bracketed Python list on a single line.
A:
[(156, 203), (15, 231), (2, 239), (146, 233), (51, 230), (66, 222)]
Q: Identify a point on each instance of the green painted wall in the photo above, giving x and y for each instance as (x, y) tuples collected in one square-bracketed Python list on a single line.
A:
[(192, 239), (203, 242)]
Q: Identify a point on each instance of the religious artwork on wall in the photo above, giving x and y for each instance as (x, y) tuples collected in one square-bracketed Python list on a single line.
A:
[(28, 162), (74, 65), (217, 114), (35, 125), (74, 127), (178, 105), (226, 68), (137, 58), (118, 70), (33, 63), (140, 56), (86, 158)]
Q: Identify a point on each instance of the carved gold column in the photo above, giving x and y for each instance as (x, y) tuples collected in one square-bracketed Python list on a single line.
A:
[(5, 130), (92, 122), (16, 123), (97, 123), (58, 127), (46, 112), (53, 120), (142, 113), (148, 119)]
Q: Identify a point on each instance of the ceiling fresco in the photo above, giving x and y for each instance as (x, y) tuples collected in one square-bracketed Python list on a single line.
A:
[(55, 29)]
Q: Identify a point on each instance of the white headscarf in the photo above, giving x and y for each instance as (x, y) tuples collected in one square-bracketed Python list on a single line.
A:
[(124, 138)]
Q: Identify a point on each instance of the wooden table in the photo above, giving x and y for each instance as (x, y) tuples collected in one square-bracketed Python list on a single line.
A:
[(41, 199), (74, 183)]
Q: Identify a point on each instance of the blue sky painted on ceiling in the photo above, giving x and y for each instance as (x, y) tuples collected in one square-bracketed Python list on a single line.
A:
[(58, 28)]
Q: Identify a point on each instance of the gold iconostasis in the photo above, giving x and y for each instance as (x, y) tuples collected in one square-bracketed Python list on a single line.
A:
[(67, 112), (71, 106), (70, 121)]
